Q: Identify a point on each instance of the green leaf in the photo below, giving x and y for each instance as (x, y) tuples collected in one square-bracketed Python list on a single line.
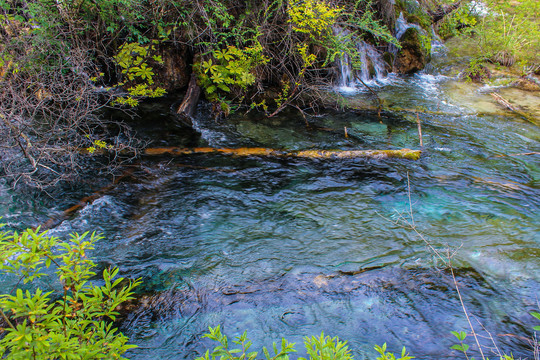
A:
[(460, 335), (224, 87)]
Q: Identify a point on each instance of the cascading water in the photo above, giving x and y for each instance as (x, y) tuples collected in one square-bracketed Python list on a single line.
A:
[(402, 25), (373, 66), (345, 76), (372, 69)]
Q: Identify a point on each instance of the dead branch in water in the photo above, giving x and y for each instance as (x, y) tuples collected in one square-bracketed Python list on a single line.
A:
[(506, 104), (55, 221)]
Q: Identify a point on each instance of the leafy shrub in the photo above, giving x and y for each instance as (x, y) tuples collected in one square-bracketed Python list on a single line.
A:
[(317, 347), (229, 72), (459, 21), (73, 323), (134, 59), (313, 17)]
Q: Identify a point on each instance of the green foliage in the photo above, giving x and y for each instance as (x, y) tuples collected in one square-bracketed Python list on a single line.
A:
[(361, 18), (476, 71), (313, 17), (74, 323), (425, 42), (461, 346), (390, 356), (326, 348), (317, 348), (508, 34), (458, 22), (536, 315), (134, 59), (229, 71), (224, 352)]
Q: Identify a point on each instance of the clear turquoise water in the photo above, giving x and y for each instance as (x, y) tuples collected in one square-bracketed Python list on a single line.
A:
[(293, 247)]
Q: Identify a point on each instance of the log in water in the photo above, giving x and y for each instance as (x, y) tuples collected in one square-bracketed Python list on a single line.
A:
[(310, 154)]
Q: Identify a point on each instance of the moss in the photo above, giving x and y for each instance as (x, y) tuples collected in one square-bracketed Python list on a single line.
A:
[(420, 18), (389, 58)]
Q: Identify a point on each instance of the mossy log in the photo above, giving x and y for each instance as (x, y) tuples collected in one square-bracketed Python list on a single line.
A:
[(310, 154)]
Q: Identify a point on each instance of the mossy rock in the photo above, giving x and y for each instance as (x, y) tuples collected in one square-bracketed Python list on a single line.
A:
[(413, 56), (389, 58)]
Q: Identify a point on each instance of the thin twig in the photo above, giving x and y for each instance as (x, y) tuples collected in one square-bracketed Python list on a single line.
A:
[(419, 129), (6, 319), (466, 314)]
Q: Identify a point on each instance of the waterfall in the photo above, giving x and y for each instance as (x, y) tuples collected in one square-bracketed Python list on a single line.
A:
[(345, 76), (373, 66), (372, 69)]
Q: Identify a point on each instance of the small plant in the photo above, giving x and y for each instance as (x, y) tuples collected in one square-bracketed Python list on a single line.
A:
[(461, 336), (317, 347), (240, 353), (72, 323), (536, 315), (462, 347), (390, 356), (326, 348)]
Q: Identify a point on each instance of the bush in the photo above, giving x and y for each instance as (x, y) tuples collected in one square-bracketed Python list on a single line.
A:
[(318, 348), (74, 322)]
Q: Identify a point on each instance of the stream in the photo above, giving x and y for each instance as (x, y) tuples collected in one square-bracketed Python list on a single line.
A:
[(292, 247)]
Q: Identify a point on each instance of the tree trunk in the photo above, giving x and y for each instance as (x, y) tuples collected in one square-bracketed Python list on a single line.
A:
[(189, 104)]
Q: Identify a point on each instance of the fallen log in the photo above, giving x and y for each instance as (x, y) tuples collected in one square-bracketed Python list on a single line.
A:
[(66, 214), (310, 154), (189, 103)]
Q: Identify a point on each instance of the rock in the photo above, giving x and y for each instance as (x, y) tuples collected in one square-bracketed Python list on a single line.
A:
[(389, 58), (413, 56)]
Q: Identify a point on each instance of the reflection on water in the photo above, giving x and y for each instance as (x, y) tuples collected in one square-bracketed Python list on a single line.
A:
[(291, 247)]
